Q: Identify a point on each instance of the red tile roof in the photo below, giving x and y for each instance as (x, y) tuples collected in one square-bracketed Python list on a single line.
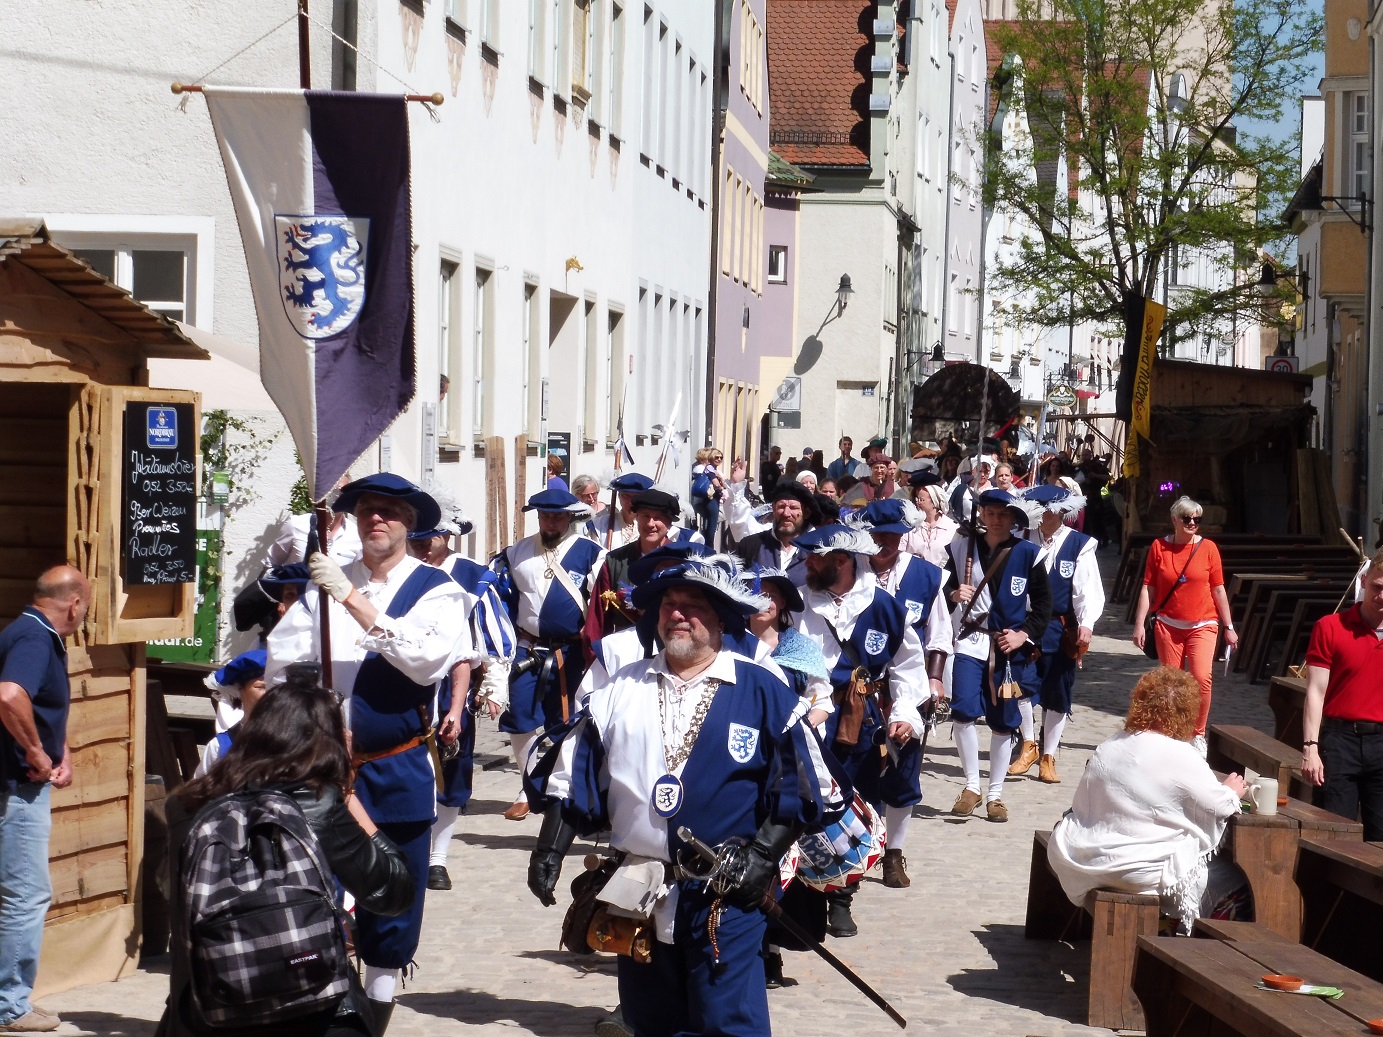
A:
[(818, 78)]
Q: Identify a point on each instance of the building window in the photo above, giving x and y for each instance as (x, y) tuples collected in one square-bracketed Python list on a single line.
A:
[(482, 350), (560, 27), (583, 50), (777, 264), (614, 356), (537, 38), (595, 344), (1358, 115), (615, 74), (664, 70), (157, 277), (532, 359), (650, 79), (450, 392), (487, 21)]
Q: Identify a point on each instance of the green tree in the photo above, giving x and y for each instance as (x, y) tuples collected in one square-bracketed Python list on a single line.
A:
[(1141, 98)]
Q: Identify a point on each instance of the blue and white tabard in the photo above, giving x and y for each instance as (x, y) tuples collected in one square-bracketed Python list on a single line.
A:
[(919, 586), (752, 758), (1004, 601), (1074, 577), (539, 604), (416, 650)]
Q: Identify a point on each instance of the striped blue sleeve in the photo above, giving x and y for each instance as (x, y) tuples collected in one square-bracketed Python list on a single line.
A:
[(566, 766), (490, 622)]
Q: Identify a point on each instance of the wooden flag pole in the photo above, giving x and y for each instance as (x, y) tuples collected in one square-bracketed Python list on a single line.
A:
[(304, 51), (323, 514), (196, 88)]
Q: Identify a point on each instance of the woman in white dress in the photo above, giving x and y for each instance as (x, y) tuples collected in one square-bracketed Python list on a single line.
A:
[(1149, 813)]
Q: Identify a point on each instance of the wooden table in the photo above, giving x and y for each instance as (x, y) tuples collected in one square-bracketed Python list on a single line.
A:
[(1208, 987), (1341, 884), (1265, 847)]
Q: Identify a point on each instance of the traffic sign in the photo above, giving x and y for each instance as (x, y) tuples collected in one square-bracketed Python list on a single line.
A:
[(1282, 364)]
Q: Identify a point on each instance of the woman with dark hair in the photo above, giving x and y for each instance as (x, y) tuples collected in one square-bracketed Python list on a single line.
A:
[(1149, 813), (294, 742)]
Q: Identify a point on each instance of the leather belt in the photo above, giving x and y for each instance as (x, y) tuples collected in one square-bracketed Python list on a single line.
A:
[(1356, 727), (358, 758), (529, 640)]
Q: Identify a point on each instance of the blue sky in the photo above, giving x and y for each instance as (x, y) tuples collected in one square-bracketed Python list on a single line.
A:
[(1289, 127)]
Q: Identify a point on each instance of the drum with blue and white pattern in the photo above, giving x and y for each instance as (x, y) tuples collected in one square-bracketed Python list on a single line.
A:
[(839, 855)]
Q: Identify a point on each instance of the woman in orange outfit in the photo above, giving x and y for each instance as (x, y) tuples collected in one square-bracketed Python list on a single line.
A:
[(1195, 612)]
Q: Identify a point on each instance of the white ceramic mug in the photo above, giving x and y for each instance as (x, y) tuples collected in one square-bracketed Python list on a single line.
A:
[(1263, 795)]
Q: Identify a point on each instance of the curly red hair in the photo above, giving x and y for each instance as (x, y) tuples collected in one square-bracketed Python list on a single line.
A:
[(1167, 701)]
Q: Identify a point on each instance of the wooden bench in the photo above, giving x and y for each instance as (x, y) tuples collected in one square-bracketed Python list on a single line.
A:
[(1209, 987), (1341, 884), (1234, 747), (1112, 921)]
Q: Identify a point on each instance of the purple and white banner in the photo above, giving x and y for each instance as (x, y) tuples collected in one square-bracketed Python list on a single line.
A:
[(320, 182)]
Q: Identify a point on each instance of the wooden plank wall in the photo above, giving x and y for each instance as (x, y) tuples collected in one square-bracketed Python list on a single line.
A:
[(33, 485), (94, 818)]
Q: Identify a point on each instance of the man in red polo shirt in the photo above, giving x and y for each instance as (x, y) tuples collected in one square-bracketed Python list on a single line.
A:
[(1342, 724)]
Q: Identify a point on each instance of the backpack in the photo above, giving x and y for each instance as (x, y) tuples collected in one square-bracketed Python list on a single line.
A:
[(262, 934), (701, 485)]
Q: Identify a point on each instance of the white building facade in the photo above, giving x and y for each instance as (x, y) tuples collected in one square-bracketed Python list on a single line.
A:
[(561, 219)]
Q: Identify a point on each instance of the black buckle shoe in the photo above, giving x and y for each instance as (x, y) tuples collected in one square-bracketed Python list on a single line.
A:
[(437, 877), (839, 922)]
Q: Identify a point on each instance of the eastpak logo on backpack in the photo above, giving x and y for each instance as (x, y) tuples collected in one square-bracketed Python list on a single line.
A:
[(262, 932)]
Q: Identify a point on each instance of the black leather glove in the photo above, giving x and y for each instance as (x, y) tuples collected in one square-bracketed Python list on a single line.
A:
[(545, 862), (757, 863)]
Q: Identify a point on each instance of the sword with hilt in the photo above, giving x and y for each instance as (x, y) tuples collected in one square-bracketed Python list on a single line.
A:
[(726, 869)]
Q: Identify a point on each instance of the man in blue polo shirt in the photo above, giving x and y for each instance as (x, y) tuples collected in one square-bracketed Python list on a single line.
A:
[(34, 696)]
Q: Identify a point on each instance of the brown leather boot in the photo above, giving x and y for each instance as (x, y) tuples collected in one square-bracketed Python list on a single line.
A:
[(1046, 770), (895, 873), (1027, 756), (965, 804)]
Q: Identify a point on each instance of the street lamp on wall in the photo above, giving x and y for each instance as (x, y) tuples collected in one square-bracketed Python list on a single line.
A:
[(1269, 279), (843, 293)]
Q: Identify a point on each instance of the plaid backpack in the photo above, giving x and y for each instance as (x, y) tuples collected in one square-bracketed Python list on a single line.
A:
[(261, 930)]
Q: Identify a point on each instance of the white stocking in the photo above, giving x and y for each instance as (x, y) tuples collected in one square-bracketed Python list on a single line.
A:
[(897, 819), (520, 744), (441, 834), (379, 983), (1053, 724), (968, 747), (1000, 752), (1025, 711)]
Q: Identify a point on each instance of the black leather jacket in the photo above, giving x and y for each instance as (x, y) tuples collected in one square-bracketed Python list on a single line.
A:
[(370, 867)]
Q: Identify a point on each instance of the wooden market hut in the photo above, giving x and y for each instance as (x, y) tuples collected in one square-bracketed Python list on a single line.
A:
[(1236, 440), (73, 352)]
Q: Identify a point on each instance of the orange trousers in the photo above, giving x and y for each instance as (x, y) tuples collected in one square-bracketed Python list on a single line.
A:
[(1192, 650)]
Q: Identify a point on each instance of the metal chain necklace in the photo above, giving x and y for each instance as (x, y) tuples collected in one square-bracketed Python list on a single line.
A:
[(668, 790), (678, 756)]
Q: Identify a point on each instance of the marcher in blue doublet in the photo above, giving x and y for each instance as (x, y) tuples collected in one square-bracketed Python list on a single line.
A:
[(728, 741), (1077, 602), (484, 687), (998, 624), (914, 583), (398, 627), (805, 668), (794, 511), (544, 581), (880, 674)]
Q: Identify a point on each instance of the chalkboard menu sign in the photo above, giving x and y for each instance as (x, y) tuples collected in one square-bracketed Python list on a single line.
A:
[(159, 494)]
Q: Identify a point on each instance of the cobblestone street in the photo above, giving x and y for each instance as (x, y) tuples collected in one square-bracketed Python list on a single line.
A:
[(948, 952)]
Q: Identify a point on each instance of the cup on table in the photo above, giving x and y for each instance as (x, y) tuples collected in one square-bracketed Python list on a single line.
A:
[(1263, 795)]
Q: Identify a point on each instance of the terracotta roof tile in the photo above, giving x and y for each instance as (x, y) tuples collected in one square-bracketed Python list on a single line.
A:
[(818, 76)]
